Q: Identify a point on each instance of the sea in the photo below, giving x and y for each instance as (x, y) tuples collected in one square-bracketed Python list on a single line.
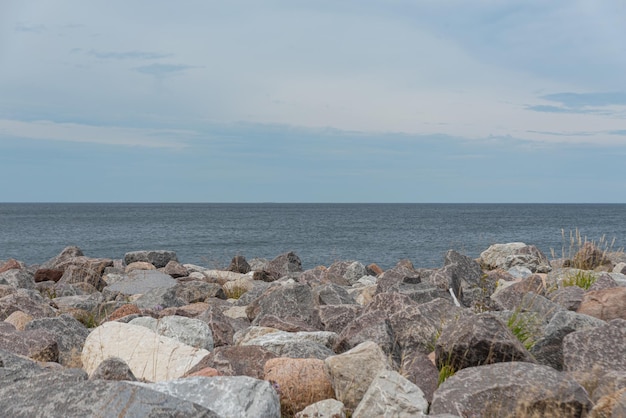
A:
[(210, 234)]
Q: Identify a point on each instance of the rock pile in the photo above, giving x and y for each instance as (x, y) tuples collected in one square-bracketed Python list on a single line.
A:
[(509, 334)]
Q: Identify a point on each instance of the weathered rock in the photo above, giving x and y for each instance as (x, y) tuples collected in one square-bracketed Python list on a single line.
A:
[(44, 275), (505, 256), (418, 368), (345, 272), (228, 396), (10, 264), (194, 291), (84, 269), (159, 298), (18, 278), (548, 350), (142, 281), (336, 317), (569, 297), (193, 332), (352, 372), (19, 320), (239, 265), (605, 304), (113, 368), (38, 345), (68, 333), (371, 326), (157, 258), (31, 303), (477, 340), (65, 255), (284, 264), (293, 301), (175, 269), (300, 382), (205, 372), (392, 278), (597, 349), (328, 408), (235, 288), (245, 360), (139, 265), (150, 356), (390, 394), (222, 276), (88, 303), (620, 268), (603, 281), (128, 309), (332, 294), (610, 383), (514, 389), (220, 325), (297, 344)]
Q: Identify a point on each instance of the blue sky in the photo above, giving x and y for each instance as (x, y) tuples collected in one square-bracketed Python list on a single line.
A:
[(313, 101)]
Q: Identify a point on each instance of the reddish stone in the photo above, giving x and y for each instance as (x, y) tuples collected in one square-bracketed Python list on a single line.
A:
[(123, 311), (206, 372), (373, 269), (44, 275), (10, 265)]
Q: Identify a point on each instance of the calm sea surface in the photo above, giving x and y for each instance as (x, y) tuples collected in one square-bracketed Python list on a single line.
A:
[(210, 234)]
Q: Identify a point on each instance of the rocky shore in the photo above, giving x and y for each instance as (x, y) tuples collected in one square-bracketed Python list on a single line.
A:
[(511, 333)]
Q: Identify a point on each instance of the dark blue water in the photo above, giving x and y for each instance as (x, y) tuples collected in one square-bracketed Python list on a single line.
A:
[(210, 234)]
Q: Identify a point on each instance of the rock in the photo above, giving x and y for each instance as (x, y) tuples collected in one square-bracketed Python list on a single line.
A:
[(31, 303), (613, 405), (569, 297), (603, 281), (157, 258), (600, 348), (222, 276), (239, 265), (44, 275), (610, 383), (332, 294), (505, 256), (284, 264), (352, 372), (193, 332), (113, 368), (245, 360), (345, 272), (336, 317), (620, 268), (21, 279), (205, 372), (291, 301), (123, 311), (65, 255), (159, 298), (88, 303), (418, 368), (477, 340), (139, 265), (391, 395), (300, 382), (10, 264), (590, 257), (194, 291), (297, 344), (38, 345), (520, 272), (462, 274), (175, 269), (328, 408), (605, 304), (84, 269), (68, 333), (510, 389), (235, 288), (150, 356), (236, 396), (19, 320), (371, 326), (373, 269), (141, 282), (394, 277), (220, 325)]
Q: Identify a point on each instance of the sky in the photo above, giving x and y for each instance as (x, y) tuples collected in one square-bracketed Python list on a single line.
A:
[(313, 101)]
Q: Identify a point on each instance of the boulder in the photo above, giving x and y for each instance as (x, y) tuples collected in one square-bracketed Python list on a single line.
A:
[(461, 274), (239, 265), (37, 344), (505, 256), (513, 389), (332, 294), (194, 291), (620, 268), (69, 334), (113, 368), (84, 269), (193, 332), (604, 304), (157, 258), (142, 281), (284, 265), (139, 265), (175, 269), (29, 302), (297, 344), (290, 301), (122, 311), (336, 317), (150, 356), (159, 298), (352, 372), (394, 277), (596, 350), (610, 383), (371, 326), (418, 368), (569, 297), (19, 320), (221, 327), (44, 275), (603, 281), (391, 395), (228, 396), (245, 360), (345, 272), (328, 408), (300, 382), (10, 264), (476, 340), (88, 303), (18, 278)]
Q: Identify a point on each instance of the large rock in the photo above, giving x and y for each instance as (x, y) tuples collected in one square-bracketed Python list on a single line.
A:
[(613, 405), (345, 272), (402, 273), (84, 270), (157, 258), (10, 264), (297, 344), (113, 368), (245, 360), (336, 317), (391, 395), (69, 394), (221, 327), (300, 382), (328, 408), (352, 372), (18, 278), (287, 302), (150, 356), (284, 265), (239, 265), (29, 302), (418, 368), (605, 304), (190, 331), (37, 344), (142, 281), (477, 340), (332, 294), (69, 334), (514, 389), (596, 350), (505, 256), (464, 276), (236, 396)]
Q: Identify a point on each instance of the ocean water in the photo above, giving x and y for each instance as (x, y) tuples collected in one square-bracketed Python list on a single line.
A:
[(211, 234)]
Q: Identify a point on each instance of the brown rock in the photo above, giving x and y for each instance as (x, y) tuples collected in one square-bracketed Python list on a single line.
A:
[(245, 360), (206, 372), (38, 344), (44, 275), (300, 382), (19, 320), (239, 265), (10, 265), (605, 304), (175, 269), (373, 269), (418, 368), (123, 311), (139, 265)]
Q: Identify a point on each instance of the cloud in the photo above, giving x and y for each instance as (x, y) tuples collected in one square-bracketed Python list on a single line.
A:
[(126, 55), (25, 27), (602, 103), (108, 135), (161, 70)]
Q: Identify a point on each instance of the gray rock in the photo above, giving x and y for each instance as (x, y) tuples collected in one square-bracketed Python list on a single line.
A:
[(290, 301), (66, 254), (193, 332), (336, 317), (603, 281), (175, 269), (505, 256), (244, 360), (284, 264), (89, 303), (142, 281), (157, 258), (84, 270), (228, 396), (159, 298), (391, 279), (391, 395), (610, 383), (328, 408), (332, 294), (30, 302), (18, 278), (477, 340), (221, 327), (419, 369), (36, 344), (345, 272), (198, 291), (519, 272), (596, 350), (422, 292), (371, 326), (514, 389), (113, 368), (568, 297), (239, 265), (69, 333)]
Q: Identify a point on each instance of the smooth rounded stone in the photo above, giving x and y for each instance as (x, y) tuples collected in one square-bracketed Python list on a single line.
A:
[(19, 320), (142, 281), (300, 382), (22, 279), (512, 389), (150, 356), (596, 350), (569, 297), (192, 332), (228, 396), (390, 394), (248, 360), (31, 303), (69, 333), (352, 372), (158, 258), (113, 368), (328, 408), (139, 265), (605, 304)]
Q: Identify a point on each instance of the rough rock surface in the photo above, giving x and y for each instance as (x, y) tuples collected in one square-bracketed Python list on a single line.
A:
[(157, 258), (605, 304), (192, 332), (245, 360), (597, 349), (290, 301), (113, 368), (69, 333), (37, 344), (328, 408)]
